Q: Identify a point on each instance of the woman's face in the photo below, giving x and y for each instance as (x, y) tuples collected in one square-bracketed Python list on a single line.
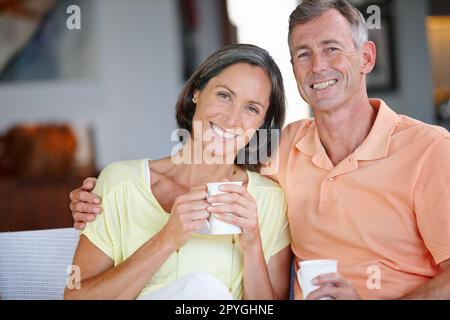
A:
[(230, 108)]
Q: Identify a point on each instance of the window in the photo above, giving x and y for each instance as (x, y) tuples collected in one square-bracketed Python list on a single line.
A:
[(265, 23)]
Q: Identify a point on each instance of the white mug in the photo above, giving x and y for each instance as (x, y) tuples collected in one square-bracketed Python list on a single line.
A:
[(309, 269), (215, 225)]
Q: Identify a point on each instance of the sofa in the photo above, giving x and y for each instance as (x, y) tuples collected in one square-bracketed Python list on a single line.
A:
[(33, 264)]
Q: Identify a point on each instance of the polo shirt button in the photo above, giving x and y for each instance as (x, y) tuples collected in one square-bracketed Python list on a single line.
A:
[(331, 179)]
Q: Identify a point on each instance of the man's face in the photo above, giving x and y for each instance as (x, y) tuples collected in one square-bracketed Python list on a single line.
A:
[(327, 66)]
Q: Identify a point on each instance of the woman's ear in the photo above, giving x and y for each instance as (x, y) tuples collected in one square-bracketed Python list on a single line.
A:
[(369, 52), (196, 96)]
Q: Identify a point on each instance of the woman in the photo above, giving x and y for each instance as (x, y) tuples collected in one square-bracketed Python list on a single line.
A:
[(147, 241)]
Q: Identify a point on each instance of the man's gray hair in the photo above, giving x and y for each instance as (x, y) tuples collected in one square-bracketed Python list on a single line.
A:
[(310, 9)]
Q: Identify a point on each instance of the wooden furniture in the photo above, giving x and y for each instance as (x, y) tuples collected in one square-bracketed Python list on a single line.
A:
[(39, 166), (32, 204)]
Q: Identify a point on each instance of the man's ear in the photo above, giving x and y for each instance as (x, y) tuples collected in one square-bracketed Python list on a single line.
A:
[(369, 51)]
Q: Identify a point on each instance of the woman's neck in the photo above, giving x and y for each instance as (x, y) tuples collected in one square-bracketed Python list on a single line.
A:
[(194, 175), (190, 170)]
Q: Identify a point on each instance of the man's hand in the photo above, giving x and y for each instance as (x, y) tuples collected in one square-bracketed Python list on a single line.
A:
[(437, 288), (335, 286), (84, 204)]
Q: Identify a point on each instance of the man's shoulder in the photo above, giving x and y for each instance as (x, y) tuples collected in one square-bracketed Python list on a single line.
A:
[(417, 130), (297, 130)]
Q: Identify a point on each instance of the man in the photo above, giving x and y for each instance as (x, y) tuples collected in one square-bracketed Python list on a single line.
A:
[(364, 185)]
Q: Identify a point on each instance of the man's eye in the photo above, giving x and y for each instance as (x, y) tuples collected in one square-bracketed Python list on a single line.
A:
[(332, 49), (303, 55)]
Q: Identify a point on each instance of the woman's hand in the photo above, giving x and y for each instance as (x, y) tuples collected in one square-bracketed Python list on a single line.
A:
[(188, 215), (244, 211), (84, 205)]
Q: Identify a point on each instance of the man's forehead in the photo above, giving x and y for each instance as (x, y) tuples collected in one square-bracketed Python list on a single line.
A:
[(322, 30), (321, 37), (331, 20), (326, 42)]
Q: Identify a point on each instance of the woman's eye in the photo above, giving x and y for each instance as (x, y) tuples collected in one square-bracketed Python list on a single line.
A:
[(253, 109), (224, 95)]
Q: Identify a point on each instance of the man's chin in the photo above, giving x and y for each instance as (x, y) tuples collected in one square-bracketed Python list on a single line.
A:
[(323, 105)]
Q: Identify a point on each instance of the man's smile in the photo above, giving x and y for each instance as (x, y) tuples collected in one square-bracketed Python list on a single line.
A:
[(323, 85)]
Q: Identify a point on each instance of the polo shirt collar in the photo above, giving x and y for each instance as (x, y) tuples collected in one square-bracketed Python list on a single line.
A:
[(376, 144), (310, 144)]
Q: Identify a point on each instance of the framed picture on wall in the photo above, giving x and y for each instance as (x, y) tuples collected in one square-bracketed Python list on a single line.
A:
[(37, 45), (383, 76)]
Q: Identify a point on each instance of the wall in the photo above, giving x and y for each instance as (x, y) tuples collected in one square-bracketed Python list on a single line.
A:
[(210, 33), (130, 103), (140, 78), (439, 42), (413, 96)]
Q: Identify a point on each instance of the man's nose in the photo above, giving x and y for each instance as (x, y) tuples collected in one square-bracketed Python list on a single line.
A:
[(319, 63)]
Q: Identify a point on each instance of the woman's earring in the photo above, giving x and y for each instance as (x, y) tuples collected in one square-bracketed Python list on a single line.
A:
[(194, 100)]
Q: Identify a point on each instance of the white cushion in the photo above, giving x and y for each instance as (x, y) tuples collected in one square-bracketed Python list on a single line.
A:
[(33, 264)]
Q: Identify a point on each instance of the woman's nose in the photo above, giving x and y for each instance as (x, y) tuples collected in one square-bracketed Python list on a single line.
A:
[(233, 118)]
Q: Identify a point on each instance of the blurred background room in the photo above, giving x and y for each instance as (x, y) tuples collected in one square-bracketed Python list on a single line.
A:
[(84, 83)]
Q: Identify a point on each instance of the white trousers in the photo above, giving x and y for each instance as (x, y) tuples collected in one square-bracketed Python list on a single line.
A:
[(193, 286)]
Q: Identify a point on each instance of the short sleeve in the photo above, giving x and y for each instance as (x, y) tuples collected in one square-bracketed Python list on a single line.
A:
[(284, 236), (275, 168), (272, 208), (271, 169), (99, 231), (432, 201)]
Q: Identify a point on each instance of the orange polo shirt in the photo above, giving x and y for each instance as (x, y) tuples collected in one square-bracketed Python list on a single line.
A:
[(383, 212)]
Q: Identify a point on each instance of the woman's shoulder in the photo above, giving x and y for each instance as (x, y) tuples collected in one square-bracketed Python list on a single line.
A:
[(260, 183), (270, 199), (124, 169), (117, 173)]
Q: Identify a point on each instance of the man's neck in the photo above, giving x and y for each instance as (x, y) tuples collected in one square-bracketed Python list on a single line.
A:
[(344, 129)]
